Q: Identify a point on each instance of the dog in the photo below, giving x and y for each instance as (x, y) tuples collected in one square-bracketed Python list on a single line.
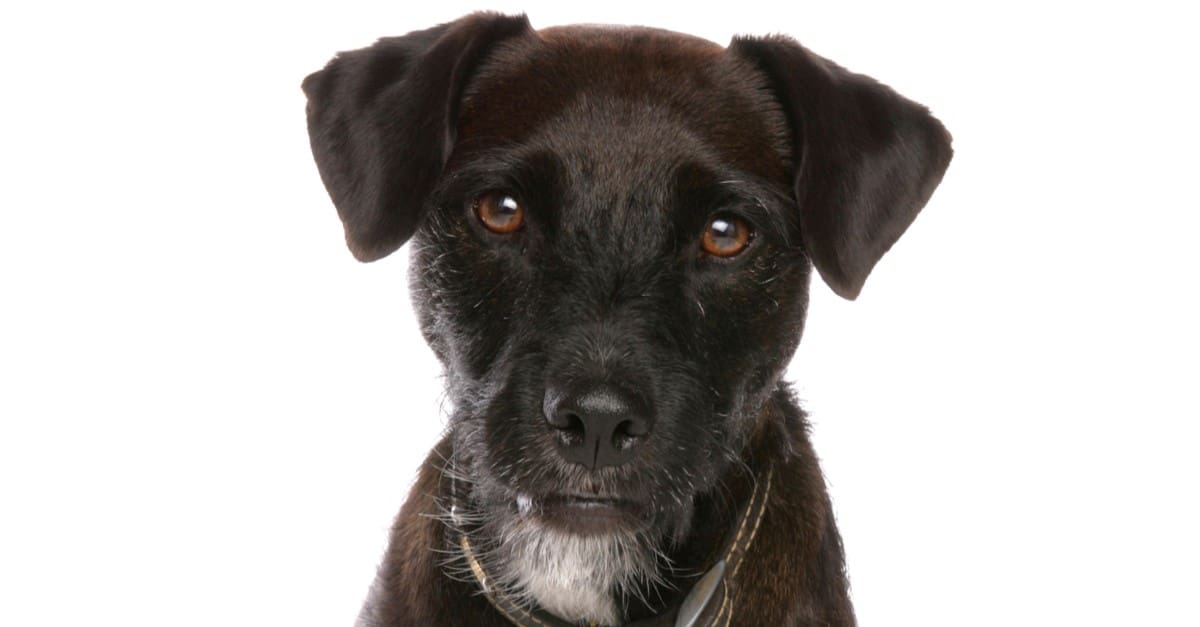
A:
[(612, 235)]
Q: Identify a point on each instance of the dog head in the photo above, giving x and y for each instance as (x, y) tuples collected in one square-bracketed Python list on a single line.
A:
[(613, 234)]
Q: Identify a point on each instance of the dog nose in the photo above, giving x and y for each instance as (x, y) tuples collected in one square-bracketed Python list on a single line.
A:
[(596, 426)]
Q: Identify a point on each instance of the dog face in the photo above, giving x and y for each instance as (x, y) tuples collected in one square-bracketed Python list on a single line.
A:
[(605, 354), (613, 235)]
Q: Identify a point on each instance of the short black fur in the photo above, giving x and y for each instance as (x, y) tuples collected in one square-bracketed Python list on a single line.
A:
[(621, 144)]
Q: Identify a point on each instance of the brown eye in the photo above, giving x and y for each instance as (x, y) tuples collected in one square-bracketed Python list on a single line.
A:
[(725, 236), (500, 213)]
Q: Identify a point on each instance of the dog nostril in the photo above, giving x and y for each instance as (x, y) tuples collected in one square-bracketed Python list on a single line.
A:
[(633, 427), (626, 433), (571, 429)]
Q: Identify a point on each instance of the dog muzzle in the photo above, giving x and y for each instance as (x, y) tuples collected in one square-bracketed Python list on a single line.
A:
[(708, 604)]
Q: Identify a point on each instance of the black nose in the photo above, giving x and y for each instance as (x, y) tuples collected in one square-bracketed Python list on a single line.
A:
[(597, 425)]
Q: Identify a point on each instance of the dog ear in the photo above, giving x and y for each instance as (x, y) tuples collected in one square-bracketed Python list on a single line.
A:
[(867, 159), (382, 120)]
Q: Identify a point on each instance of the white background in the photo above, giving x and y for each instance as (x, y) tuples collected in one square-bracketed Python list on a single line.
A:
[(211, 412)]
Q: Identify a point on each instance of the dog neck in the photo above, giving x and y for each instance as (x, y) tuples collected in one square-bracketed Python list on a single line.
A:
[(708, 602)]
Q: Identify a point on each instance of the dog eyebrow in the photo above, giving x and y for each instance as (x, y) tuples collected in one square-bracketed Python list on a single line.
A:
[(763, 203), (524, 172)]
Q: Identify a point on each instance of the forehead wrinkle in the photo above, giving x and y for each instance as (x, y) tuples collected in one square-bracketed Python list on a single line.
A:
[(621, 146), (619, 159)]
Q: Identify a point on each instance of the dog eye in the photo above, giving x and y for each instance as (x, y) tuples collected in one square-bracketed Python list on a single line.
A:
[(726, 235), (500, 213)]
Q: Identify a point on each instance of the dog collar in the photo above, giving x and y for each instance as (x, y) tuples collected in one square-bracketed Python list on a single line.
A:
[(708, 604)]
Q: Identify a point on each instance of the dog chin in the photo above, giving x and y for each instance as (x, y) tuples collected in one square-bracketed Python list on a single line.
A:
[(576, 557)]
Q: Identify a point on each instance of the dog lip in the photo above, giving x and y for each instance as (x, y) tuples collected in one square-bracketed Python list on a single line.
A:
[(582, 513), (527, 502), (583, 501)]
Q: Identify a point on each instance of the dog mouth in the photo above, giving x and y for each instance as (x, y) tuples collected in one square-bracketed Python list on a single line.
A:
[(582, 514)]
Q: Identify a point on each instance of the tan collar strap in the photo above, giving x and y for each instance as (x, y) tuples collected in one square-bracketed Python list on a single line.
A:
[(708, 604)]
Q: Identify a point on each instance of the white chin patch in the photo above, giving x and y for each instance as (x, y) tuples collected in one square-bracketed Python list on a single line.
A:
[(571, 576)]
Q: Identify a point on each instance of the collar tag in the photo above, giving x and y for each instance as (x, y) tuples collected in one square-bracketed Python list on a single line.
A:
[(701, 596)]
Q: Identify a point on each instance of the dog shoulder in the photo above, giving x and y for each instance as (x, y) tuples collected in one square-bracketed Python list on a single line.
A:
[(402, 594)]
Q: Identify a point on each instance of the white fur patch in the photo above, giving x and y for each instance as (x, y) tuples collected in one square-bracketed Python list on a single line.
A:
[(571, 576)]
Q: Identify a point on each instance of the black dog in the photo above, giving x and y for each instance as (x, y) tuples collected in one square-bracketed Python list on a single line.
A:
[(613, 232)]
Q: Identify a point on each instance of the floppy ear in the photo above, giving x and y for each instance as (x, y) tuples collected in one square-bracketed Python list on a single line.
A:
[(382, 122), (867, 159)]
